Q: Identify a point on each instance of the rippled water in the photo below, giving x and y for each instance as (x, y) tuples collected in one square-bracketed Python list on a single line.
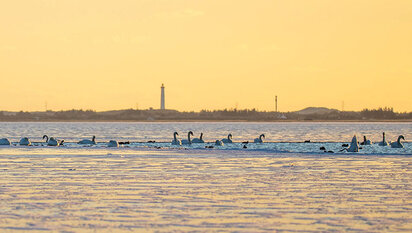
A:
[(280, 137), (282, 185), (203, 191)]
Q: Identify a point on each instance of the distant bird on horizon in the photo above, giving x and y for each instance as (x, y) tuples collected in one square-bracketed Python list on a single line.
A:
[(51, 141), (4, 142), (259, 140), (176, 141), (366, 142), (25, 142), (398, 143), (219, 143), (228, 139), (198, 140), (354, 146), (88, 142), (383, 142), (113, 143), (189, 140)]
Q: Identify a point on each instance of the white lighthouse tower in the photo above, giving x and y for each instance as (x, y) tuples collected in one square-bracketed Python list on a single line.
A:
[(162, 97)]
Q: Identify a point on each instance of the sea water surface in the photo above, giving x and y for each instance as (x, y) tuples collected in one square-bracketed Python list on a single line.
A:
[(282, 185), (279, 137)]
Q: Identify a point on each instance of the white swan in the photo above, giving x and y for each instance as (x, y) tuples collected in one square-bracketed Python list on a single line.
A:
[(383, 142), (198, 140), (219, 143), (4, 142), (354, 146), (398, 143), (176, 141), (51, 141), (188, 141), (113, 143), (259, 140), (25, 142), (88, 142), (366, 142), (228, 139)]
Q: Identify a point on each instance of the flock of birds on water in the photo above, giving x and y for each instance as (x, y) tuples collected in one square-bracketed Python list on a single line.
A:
[(354, 146)]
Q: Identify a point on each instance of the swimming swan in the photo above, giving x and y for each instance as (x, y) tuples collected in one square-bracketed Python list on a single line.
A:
[(51, 141), (354, 147), (383, 142), (366, 142), (259, 140), (398, 143), (88, 142), (228, 139), (4, 142), (188, 141), (25, 142), (198, 140), (219, 143), (175, 140), (113, 143)]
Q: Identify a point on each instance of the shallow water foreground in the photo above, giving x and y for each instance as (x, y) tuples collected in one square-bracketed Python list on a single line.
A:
[(193, 191)]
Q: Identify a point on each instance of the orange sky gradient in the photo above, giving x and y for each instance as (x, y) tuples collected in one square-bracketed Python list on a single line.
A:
[(211, 54)]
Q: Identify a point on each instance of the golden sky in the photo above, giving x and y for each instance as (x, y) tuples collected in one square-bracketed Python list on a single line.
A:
[(210, 54)]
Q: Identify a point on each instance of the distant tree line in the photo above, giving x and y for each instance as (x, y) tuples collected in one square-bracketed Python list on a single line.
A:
[(204, 115)]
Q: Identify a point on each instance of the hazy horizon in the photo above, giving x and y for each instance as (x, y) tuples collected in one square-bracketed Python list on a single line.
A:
[(106, 55)]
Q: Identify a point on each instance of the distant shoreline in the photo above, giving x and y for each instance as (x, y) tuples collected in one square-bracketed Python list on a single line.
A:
[(311, 114), (216, 121)]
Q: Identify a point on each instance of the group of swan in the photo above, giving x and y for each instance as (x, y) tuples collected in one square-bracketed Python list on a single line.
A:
[(396, 144), (25, 141), (354, 146), (189, 140)]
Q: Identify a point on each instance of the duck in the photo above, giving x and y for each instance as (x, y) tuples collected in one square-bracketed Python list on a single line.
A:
[(189, 140), (4, 142), (176, 141), (228, 139), (398, 143), (88, 142), (366, 142), (198, 140), (219, 143), (51, 141), (259, 140), (25, 142), (383, 142), (113, 143), (354, 146)]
